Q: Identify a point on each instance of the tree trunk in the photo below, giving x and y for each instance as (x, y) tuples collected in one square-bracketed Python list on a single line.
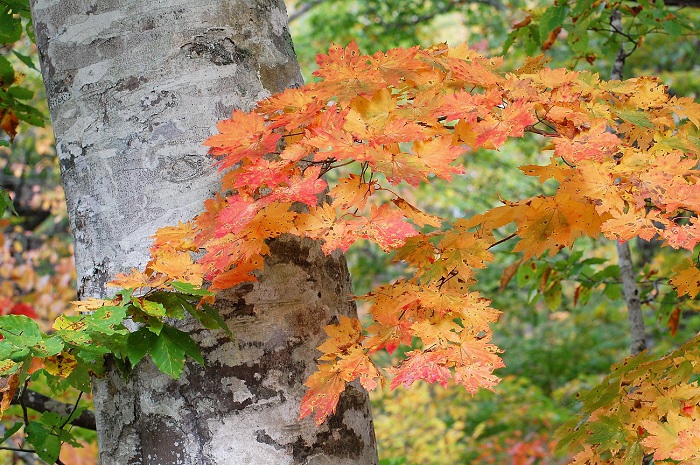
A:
[(133, 89)]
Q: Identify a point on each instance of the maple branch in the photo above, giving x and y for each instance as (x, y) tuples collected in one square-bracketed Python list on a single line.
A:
[(531, 128), (507, 238), (292, 134)]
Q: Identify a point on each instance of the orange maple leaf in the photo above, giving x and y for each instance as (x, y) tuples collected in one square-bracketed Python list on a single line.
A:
[(244, 135), (325, 387)]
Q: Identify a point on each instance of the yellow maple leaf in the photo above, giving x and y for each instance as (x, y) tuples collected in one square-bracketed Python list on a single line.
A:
[(686, 281), (552, 223)]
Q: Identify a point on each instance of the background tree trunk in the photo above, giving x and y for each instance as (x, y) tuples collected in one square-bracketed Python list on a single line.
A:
[(134, 88)]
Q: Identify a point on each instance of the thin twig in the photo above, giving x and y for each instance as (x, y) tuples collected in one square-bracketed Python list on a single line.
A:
[(305, 8), (502, 241)]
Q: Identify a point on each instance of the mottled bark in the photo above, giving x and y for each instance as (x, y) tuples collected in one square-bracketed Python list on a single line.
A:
[(134, 88)]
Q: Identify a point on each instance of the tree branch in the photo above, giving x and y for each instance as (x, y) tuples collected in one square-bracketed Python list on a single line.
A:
[(303, 9), (629, 280), (42, 403)]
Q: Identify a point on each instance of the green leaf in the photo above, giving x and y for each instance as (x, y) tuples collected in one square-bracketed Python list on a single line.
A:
[(185, 342), (8, 367), (190, 289), (20, 330), (552, 296), (139, 343), (25, 59), (46, 445), (107, 320), (638, 118), (80, 378), (52, 419), (608, 431), (21, 93), (175, 304), (634, 454), (6, 201), (168, 356), (12, 430), (509, 41), (529, 273), (551, 19), (213, 314), (20, 354), (7, 72), (48, 347), (10, 27), (613, 291), (151, 308)]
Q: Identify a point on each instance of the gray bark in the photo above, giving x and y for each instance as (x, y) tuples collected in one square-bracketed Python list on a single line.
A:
[(134, 88)]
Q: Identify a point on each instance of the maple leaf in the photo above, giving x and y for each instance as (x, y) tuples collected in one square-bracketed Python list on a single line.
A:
[(8, 388), (472, 350), (291, 108), (685, 236), (514, 118), (473, 73), (439, 334), (678, 438), (396, 165), (461, 249), (686, 280), (399, 65), (475, 376), (552, 171), (595, 182), (351, 191), (262, 173), (635, 222), (346, 73), (137, 280), (367, 118), (356, 364), (177, 266), (341, 337), (242, 272), (273, 220), (322, 223), (437, 154), (595, 144), (387, 228), (554, 223), (389, 337), (180, 237), (325, 387), (428, 366), (237, 213), (418, 217), (467, 106), (61, 365), (244, 135)]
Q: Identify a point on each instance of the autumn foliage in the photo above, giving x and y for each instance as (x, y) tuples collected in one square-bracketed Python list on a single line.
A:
[(326, 162)]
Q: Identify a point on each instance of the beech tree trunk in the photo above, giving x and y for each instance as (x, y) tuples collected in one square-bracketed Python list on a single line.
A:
[(133, 89)]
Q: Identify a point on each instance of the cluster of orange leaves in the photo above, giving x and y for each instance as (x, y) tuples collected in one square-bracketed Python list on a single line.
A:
[(624, 155)]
